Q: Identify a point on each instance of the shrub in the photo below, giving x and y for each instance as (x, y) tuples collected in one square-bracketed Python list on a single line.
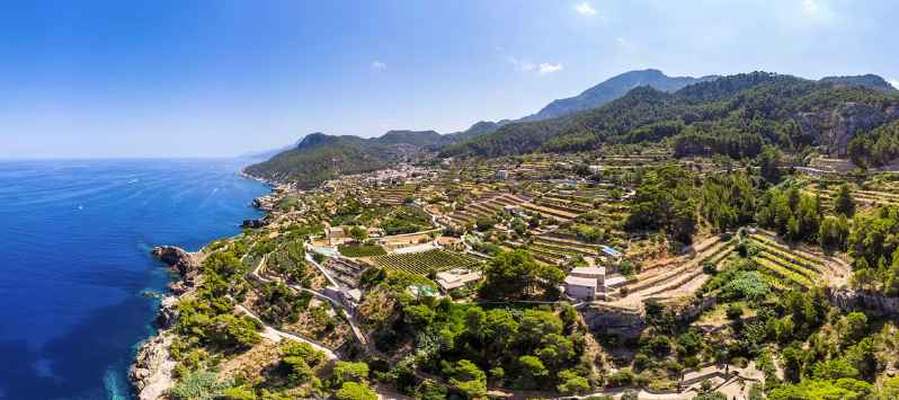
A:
[(622, 377), (202, 385), (734, 312), (355, 391), (572, 383), (345, 371), (238, 393)]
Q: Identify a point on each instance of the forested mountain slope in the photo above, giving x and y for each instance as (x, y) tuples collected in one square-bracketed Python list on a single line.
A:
[(612, 89), (319, 157), (733, 115)]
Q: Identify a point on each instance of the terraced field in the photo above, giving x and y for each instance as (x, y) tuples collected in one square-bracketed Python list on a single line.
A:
[(484, 207), (681, 277), (424, 262), (394, 195), (791, 266), (868, 197)]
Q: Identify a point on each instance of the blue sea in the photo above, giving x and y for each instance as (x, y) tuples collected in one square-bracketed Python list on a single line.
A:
[(76, 273)]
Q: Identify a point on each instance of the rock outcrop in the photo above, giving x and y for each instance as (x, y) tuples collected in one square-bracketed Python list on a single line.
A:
[(253, 223), (614, 321), (186, 264), (834, 129), (871, 303), (168, 312), (151, 372)]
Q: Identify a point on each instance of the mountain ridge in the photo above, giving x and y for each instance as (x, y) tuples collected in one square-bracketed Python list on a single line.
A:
[(793, 109)]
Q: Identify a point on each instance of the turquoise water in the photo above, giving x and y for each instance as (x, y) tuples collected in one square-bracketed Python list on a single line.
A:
[(75, 265)]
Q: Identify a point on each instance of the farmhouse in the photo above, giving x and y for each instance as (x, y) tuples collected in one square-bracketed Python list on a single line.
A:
[(456, 278), (586, 283)]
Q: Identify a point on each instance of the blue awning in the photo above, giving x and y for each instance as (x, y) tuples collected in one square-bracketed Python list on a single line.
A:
[(610, 251)]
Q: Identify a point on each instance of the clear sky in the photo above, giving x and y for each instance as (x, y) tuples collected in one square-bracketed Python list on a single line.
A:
[(218, 77)]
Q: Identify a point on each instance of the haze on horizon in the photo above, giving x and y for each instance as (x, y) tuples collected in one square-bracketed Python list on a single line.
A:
[(212, 78)]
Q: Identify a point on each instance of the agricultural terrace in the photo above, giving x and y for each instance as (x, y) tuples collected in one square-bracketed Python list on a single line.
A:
[(677, 277), (485, 206), (426, 262), (880, 191), (783, 265), (394, 195)]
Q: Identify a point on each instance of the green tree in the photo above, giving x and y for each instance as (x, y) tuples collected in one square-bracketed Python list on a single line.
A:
[(516, 274), (532, 372), (467, 378), (769, 161), (843, 202), (355, 391), (572, 383), (346, 371), (358, 233), (297, 369)]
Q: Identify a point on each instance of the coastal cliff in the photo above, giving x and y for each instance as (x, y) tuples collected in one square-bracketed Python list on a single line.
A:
[(151, 372)]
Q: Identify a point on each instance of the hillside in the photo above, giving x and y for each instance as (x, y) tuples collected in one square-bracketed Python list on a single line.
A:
[(319, 157), (612, 89), (733, 115), (870, 81)]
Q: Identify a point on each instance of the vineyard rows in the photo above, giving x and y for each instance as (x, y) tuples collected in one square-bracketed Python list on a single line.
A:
[(424, 262)]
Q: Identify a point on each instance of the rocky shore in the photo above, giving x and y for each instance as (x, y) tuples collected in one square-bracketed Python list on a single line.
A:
[(151, 372)]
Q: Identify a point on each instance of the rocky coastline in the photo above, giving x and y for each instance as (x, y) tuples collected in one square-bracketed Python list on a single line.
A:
[(151, 372)]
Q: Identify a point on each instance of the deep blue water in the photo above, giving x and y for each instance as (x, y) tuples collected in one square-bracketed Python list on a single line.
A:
[(75, 268)]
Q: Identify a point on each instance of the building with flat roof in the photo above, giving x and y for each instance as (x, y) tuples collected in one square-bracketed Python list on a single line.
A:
[(580, 288), (456, 278), (586, 283)]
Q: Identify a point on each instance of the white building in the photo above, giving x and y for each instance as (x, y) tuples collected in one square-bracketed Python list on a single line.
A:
[(456, 278), (586, 283), (502, 174)]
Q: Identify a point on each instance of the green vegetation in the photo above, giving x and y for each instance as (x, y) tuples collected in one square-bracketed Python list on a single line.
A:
[(516, 274), (877, 148), (718, 172), (734, 115), (422, 263), (361, 250), (406, 219)]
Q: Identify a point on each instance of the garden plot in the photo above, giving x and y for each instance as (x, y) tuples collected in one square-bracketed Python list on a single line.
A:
[(567, 246), (550, 212)]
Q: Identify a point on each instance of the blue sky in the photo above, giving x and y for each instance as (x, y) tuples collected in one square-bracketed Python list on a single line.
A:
[(218, 78)]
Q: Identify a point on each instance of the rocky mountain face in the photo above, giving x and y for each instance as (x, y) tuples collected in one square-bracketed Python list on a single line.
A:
[(835, 128)]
